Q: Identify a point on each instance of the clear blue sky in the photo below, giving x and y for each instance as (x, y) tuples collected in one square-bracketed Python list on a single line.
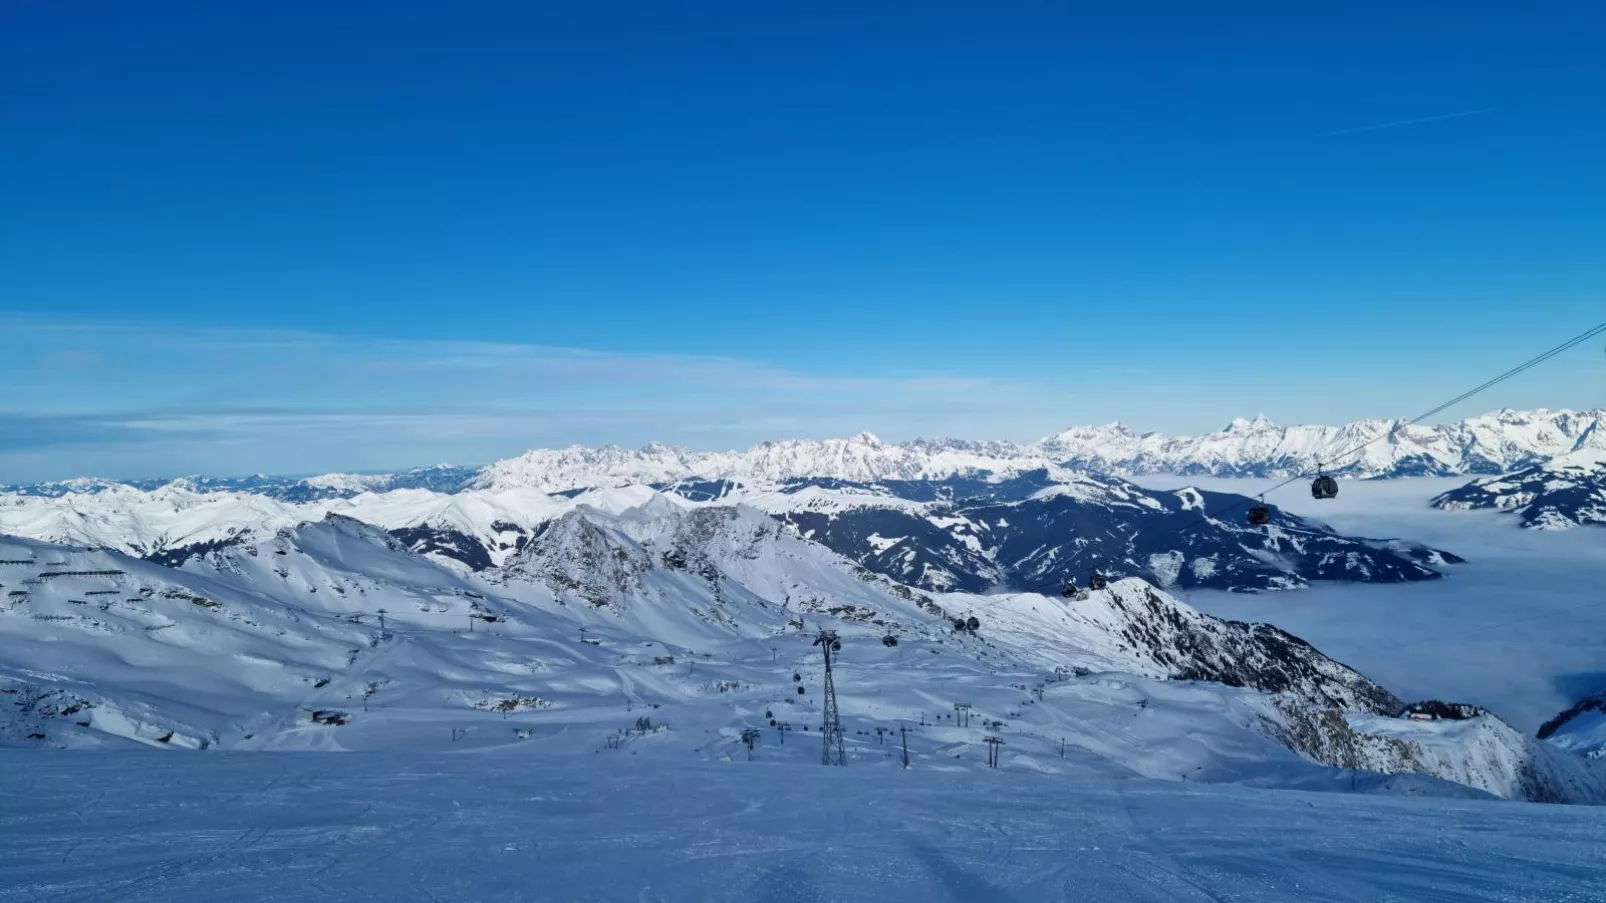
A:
[(307, 236)]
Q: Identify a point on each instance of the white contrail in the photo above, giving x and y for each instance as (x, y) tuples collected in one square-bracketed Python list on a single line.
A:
[(1398, 123)]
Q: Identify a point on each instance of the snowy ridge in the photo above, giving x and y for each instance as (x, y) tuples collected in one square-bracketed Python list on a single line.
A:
[(700, 615), (1487, 444), (1036, 531), (1490, 443), (1564, 492), (1482, 752)]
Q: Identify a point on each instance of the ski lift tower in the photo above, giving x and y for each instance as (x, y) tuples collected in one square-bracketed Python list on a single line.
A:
[(831, 722)]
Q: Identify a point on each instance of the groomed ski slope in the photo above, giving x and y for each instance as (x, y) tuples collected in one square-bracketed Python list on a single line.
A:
[(531, 823)]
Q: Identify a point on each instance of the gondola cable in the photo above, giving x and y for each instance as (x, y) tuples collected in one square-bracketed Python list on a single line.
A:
[(1258, 503)]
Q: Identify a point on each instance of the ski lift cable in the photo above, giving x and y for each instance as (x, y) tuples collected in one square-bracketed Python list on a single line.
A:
[(1532, 362)]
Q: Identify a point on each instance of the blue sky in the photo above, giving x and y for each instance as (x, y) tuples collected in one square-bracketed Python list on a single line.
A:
[(300, 236)]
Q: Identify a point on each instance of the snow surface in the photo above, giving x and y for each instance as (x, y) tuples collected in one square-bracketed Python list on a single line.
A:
[(535, 822)]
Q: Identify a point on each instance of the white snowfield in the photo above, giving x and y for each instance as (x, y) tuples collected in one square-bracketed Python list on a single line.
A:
[(537, 822)]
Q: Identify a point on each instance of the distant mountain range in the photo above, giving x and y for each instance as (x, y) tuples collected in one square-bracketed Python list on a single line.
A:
[(1489, 444)]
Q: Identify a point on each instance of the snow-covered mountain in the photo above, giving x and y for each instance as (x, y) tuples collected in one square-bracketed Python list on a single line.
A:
[(334, 634), (863, 457), (1491, 443), (1044, 530), (1038, 531), (1566, 491)]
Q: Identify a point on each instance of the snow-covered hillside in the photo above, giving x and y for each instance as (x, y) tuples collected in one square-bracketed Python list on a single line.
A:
[(1044, 530), (1566, 491), (334, 635), (1037, 531), (1481, 751)]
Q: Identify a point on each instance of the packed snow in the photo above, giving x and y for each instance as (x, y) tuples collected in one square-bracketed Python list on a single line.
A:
[(538, 821)]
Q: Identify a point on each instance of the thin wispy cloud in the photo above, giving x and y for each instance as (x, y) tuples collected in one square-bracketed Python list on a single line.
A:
[(122, 400), (1421, 120)]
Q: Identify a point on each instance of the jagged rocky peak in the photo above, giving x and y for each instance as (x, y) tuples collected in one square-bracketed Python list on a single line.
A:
[(1195, 646)]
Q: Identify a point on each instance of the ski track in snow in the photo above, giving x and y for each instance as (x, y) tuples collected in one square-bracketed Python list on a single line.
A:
[(1520, 628), (516, 824)]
